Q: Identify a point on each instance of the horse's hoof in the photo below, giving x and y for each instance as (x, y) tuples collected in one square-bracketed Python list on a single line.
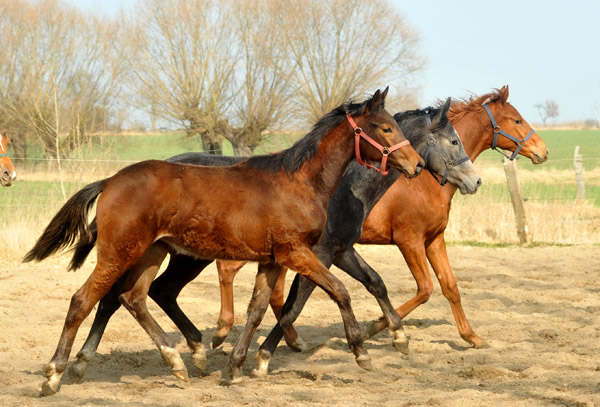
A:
[(236, 380), (263, 358), (298, 345), (199, 356), (181, 374), (48, 389), (258, 373), (400, 341), (77, 371), (480, 344), (364, 361), (217, 340)]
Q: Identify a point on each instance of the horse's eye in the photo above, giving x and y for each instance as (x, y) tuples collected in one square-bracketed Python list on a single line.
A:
[(387, 130), (518, 121), (454, 142)]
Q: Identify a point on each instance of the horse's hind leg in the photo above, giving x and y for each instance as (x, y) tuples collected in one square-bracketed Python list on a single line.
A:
[(227, 271), (165, 290), (82, 303), (134, 299), (265, 281), (353, 264), (107, 307), (276, 301), (437, 255), (416, 259), (300, 291)]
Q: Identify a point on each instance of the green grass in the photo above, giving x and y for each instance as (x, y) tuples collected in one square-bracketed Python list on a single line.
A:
[(561, 144)]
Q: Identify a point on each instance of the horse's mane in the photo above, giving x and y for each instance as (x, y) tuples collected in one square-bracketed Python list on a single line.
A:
[(304, 149), (460, 107), (432, 111)]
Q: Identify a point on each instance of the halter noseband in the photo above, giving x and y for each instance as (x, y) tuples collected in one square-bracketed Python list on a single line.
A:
[(432, 145), (497, 130), (385, 151)]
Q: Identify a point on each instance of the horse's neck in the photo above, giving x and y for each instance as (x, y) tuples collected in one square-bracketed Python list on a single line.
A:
[(475, 131), (334, 153)]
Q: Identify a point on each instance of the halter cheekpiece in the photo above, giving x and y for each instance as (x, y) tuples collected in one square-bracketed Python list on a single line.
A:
[(497, 130), (385, 151)]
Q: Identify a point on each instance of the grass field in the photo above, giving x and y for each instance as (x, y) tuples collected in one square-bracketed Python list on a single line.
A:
[(485, 217)]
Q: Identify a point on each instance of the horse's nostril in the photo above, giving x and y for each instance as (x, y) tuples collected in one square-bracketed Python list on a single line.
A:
[(479, 182)]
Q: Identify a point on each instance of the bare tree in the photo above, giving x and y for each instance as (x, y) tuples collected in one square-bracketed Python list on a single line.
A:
[(184, 57), (262, 98), (345, 48), (547, 110), (58, 74)]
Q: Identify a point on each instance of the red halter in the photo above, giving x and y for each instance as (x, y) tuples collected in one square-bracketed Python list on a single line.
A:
[(385, 151)]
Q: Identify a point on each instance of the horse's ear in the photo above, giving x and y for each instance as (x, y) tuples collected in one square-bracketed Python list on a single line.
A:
[(374, 103), (503, 93), (383, 95), (446, 106), (442, 114)]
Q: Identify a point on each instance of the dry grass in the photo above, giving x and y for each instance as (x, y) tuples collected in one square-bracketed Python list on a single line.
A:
[(483, 218)]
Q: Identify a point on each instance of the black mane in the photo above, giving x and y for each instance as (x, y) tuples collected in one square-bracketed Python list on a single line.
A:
[(432, 111), (304, 149)]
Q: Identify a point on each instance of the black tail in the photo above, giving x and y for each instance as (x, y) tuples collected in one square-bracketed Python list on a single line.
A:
[(68, 225), (84, 246)]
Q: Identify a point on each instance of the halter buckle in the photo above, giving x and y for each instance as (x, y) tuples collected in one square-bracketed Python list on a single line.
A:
[(431, 141), (385, 151), (450, 164)]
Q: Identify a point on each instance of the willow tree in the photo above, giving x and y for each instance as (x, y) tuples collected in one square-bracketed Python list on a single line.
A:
[(346, 48), (183, 55)]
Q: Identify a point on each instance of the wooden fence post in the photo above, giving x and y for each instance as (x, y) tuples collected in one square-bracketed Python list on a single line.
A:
[(516, 196), (578, 162)]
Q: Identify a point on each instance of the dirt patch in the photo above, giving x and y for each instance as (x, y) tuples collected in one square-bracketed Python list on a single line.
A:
[(538, 309)]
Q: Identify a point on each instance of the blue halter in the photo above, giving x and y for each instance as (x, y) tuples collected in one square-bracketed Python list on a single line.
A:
[(3, 155), (497, 130)]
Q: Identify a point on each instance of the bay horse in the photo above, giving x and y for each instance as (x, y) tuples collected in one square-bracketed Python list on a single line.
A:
[(270, 209), (415, 222), (429, 132), (8, 173)]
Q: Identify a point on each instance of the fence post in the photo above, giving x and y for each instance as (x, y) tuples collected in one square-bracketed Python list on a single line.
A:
[(578, 162), (516, 196)]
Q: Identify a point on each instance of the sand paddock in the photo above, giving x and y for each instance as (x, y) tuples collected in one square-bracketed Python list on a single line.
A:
[(538, 308)]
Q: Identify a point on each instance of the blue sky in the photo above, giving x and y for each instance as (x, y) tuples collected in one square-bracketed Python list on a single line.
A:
[(541, 49)]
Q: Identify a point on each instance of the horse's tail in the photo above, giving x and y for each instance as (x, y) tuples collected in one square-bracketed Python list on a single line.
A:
[(68, 225), (84, 246)]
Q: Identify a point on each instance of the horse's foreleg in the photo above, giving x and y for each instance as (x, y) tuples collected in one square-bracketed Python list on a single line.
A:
[(276, 301), (82, 303), (165, 290), (353, 264), (227, 271), (416, 259), (134, 299), (107, 307), (437, 255), (265, 281), (300, 291)]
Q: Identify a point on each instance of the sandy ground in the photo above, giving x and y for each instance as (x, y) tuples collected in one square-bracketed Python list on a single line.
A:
[(538, 308)]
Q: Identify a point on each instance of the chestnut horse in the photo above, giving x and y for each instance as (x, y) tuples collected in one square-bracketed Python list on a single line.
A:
[(7, 169), (429, 132), (270, 209)]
